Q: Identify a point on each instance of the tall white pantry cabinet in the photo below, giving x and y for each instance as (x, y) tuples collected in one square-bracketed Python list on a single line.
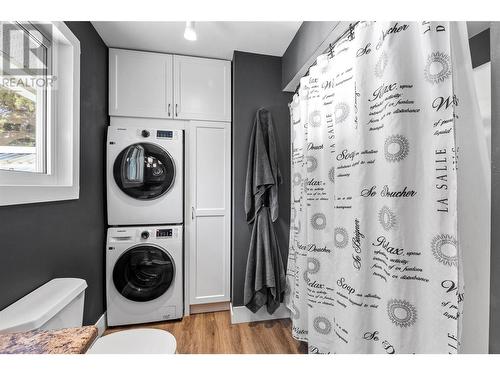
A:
[(197, 91)]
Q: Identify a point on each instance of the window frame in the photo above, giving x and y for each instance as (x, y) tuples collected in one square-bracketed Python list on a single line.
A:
[(61, 178)]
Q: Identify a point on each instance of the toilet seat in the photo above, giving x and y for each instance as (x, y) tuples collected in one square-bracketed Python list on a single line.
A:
[(136, 341)]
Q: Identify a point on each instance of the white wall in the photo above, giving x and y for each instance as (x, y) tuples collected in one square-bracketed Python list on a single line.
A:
[(474, 203), (482, 80)]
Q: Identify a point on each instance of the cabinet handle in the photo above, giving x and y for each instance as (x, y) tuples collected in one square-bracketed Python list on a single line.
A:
[(168, 109), (192, 213), (176, 110)]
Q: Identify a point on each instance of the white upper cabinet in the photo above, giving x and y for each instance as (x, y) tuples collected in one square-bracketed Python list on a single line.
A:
[(202, 89), (140, 84), (159, 85)]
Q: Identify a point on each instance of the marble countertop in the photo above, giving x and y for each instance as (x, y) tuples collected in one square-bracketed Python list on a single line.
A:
[(62, 341)]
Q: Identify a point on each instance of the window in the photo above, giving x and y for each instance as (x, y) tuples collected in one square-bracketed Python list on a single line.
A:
[(23, 98), (39, 112)]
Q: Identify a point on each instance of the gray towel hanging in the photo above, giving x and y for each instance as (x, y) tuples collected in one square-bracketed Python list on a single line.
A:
[(265, 273)]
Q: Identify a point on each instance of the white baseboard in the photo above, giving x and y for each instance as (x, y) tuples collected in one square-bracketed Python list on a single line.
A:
[(101, 324), (240, 314)]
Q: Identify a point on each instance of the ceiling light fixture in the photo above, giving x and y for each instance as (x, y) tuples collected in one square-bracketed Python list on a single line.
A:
[(190, 32)]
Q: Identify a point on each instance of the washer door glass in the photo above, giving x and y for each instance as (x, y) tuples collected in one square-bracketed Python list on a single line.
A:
[(143, 273), (144, 171)]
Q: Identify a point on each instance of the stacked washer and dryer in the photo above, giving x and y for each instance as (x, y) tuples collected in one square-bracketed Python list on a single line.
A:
[(144, 252)]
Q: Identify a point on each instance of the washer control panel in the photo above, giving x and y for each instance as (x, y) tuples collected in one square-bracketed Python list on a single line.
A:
[(160, 233)]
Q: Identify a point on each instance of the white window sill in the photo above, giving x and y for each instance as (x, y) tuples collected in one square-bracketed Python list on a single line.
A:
[(36, 194)]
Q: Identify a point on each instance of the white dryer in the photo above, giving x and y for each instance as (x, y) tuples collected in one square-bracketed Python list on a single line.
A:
[(144, 274), (144, 175)]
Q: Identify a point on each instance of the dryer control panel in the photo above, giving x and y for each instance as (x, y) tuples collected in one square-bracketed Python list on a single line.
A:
[(164, 134)]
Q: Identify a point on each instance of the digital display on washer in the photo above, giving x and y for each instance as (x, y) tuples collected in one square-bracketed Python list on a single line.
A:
[(164, 134), (164, 233)]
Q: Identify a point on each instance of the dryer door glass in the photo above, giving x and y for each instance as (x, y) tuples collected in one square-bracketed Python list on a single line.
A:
[(143, 273), (144, 171)]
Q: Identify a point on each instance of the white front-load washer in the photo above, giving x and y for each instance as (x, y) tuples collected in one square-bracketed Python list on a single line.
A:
[(145, 168), (144, 274)]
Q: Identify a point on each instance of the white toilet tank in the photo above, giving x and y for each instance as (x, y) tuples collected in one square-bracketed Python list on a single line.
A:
[(55, 305)]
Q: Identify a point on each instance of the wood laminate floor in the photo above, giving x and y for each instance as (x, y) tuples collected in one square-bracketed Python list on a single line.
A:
[(213, 333)]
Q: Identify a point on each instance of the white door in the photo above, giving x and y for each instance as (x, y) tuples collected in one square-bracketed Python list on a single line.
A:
[(140, 84), (209, 158), (202, 89)]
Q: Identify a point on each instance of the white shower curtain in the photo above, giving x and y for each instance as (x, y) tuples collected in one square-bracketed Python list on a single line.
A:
[(374, 263)]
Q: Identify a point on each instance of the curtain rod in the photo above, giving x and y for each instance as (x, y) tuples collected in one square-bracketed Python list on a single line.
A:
[(348, 32)]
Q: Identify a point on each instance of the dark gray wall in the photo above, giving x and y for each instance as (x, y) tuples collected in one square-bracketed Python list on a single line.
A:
[(495, 190), (480, 48), (66, 239), (256, 83), (308, 38)]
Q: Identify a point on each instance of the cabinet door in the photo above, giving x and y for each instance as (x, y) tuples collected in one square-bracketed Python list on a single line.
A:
[(202, 89), (140, 84), (209, 219)]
